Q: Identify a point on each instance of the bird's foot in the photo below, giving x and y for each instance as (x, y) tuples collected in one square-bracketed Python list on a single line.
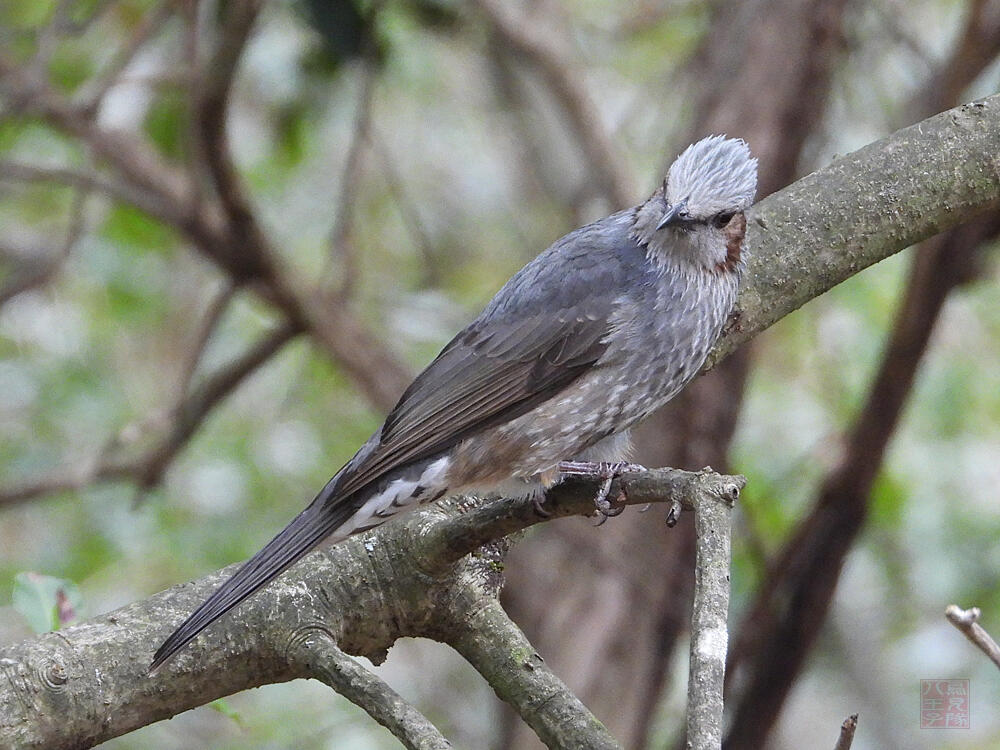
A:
[(606, 473)]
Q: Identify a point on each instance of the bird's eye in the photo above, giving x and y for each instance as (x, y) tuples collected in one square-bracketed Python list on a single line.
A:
[(720, 220)]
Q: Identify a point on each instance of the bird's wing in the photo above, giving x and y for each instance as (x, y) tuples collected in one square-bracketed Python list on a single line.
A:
[(490, 375), (541, 332)]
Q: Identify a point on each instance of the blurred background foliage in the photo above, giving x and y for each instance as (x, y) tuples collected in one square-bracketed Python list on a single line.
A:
[(464, 171)]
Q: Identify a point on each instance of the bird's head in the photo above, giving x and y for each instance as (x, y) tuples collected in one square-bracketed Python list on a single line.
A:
[(698, 212)]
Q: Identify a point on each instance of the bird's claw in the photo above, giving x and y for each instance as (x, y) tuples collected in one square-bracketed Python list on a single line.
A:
[(606, 473), (539, 502)]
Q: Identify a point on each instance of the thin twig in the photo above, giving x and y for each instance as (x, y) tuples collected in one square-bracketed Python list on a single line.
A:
[(85, 179), (407, 211), (137, 162), (326, 662), (193, 130), (210, 320), (148, 26), (43, 272), (847, 730), (224, 230), (967, 620), (48, 38), (147, 469), (537, 46), (343, 252)]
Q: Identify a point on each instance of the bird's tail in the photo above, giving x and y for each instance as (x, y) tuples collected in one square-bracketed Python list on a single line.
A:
[(308, 529)]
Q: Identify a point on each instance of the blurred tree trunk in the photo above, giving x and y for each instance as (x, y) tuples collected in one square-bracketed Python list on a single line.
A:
[(765, 68)]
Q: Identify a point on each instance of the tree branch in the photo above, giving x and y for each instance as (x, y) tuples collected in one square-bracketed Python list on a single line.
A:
[(88, 683), (321, 658), (498, 650), (866, 206), (147, 469), (85, 684), (41, 272), (847, 730), (224, 230), (710, 616), (967, 621), (530, 42), (788, 611), (83, 179)]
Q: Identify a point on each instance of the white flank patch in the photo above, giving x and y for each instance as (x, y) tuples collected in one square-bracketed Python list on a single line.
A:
[(399, 495)]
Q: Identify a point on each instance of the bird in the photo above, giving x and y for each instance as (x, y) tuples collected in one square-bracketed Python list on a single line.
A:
[(597, 332)]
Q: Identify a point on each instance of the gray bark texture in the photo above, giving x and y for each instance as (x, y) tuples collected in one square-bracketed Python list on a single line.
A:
[(437, 574), (864, 207), (429, 575), (710, 618)]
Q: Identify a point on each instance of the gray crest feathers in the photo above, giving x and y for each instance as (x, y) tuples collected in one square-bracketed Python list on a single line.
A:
[(714, 175)]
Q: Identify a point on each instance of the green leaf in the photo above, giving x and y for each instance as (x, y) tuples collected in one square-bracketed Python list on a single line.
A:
[(165, 124), (226, 710), (132, 230), (46, 602), (26, 14), (71, 65)]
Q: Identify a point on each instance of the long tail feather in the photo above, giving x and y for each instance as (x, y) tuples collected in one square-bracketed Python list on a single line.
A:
[(308, 528)]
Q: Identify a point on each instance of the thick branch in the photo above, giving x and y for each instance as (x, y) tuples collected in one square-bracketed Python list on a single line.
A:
[(88, 683), (866, 206)]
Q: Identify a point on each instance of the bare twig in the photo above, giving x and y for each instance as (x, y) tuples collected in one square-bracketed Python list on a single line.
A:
[(137, 163), (967, 620), (224, 230), (195, 147), (210, 320), (342, 250), (148, 26), (325, 661), (407, 211), (536, 45), (710, 616), (847, 730), (85, 179), (147, 469), (44, 271), (48, 38)]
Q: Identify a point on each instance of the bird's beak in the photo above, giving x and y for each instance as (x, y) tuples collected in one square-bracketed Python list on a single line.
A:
[(673, 213)]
